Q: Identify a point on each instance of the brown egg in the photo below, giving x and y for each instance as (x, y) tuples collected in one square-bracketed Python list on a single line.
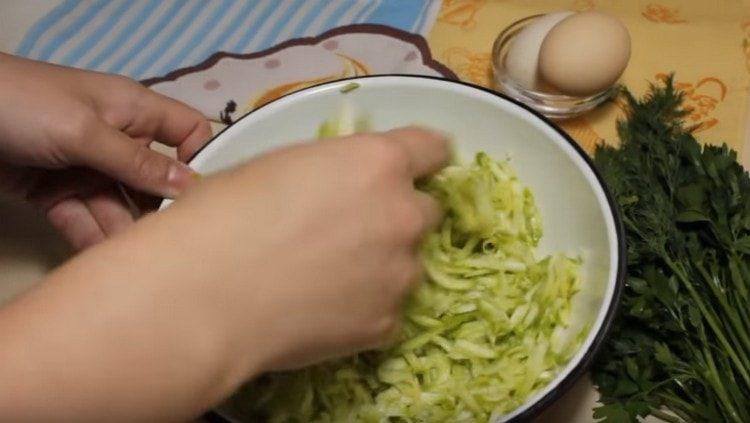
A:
[(584, 53)]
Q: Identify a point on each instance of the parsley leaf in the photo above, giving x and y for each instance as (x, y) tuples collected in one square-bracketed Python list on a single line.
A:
[(681, 340)]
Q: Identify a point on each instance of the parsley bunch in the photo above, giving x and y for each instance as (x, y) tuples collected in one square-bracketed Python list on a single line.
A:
[(680, 347)]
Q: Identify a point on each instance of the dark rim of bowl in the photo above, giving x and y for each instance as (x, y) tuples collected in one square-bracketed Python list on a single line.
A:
[(583, 365)]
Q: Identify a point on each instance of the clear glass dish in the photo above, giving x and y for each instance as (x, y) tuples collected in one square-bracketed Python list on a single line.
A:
[(552, 105)]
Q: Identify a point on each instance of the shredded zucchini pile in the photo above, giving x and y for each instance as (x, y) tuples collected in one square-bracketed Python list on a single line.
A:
[(481, 333)]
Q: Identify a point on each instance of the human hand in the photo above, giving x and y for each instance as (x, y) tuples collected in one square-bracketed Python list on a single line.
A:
[(315, 245), (302, 255), (67, 136)]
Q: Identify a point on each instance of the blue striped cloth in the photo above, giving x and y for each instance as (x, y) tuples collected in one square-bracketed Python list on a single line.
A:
[(147, 38)]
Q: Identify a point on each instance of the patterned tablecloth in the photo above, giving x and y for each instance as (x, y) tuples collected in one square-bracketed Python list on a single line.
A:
[(707, 44), (226, 57)]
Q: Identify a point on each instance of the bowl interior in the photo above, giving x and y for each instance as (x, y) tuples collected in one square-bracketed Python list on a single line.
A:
[(577, 217)]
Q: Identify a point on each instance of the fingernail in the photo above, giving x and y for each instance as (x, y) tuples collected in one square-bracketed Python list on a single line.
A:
[(179, 177)]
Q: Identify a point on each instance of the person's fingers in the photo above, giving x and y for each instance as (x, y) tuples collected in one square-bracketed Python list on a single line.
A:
[(109, 211), (431, 210), (54, 186), (74, 221), (428, 151), (112, 152), (173, 123)]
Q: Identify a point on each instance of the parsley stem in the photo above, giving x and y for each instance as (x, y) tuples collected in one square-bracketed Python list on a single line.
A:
[(712, 283), (710, 318), (666, 416)]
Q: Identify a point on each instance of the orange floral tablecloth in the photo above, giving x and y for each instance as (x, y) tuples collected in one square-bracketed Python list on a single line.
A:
[(706, 44)]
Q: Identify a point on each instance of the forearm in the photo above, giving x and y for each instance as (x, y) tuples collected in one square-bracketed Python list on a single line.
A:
[(101, 339)]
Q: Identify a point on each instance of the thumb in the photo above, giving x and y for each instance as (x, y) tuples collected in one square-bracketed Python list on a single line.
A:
[(117, 155)]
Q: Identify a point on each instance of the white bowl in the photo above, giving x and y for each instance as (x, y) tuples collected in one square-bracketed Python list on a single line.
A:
[(579, 216)]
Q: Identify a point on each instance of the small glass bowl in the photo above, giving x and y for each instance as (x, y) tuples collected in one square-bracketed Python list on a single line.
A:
[(552, 105)]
